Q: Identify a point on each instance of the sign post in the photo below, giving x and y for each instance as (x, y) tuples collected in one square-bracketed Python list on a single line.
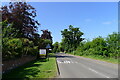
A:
[(42, 52), (48, 47)]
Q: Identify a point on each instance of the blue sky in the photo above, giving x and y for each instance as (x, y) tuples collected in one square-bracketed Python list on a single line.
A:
[(93, 18)]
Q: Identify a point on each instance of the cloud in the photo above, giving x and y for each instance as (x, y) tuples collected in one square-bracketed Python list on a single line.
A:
[(108, 22), (88, 20)]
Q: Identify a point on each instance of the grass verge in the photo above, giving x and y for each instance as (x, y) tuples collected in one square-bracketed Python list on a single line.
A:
[(96, 57), (35, 69)]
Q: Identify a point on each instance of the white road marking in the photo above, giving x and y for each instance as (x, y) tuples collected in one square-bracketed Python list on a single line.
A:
[(58, 61), (71, 61), (76, 62), (98, 73), (66, 61)]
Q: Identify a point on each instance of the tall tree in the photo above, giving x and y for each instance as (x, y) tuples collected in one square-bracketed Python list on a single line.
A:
[(72, 37), (56, 47), (45, 38), (22, 16), (46, 35), (113, 44)]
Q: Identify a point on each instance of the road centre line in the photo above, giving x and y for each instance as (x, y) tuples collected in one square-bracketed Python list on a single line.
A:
[(98, 73), (88, 68), (94, 70), (97, 61)]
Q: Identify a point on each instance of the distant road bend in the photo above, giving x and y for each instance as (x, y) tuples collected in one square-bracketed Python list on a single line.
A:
[(79, 67)]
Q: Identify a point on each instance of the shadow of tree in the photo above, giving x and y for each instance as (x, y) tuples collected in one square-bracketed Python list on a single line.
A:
[(60, 55)]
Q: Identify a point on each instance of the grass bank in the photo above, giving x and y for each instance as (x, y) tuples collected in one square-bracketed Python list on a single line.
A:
[(96, 57), (35, 69)]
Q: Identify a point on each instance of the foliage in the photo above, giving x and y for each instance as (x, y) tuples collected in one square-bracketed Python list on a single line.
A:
[(8, 31), (46, 38), (11, 47), (16, 47), (22, 13), (44, 42), (104, 47), (19, 31), (113, 44), (46, 35), (71, 38), (55, 47)]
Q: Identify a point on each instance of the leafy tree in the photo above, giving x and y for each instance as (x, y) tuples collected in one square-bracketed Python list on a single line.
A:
[(11, 48), (56, 47), (71, 38), (61, 47), (19, 26), (8, 31), (21, 15), (113, 44), (46, 35), (104, 47), (46, 38), (99, 44), (43, 40)]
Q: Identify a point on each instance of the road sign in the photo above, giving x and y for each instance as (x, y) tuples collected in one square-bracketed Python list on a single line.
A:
[(42, 51), (48, 46)]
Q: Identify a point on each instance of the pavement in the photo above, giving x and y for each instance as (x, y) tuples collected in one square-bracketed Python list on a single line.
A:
[(71, 66)]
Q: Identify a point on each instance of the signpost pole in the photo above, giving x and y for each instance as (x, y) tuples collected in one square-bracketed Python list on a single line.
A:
[(48, 55), (48, 47)]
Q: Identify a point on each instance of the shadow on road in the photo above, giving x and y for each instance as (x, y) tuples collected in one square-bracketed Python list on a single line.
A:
[(63, 55)]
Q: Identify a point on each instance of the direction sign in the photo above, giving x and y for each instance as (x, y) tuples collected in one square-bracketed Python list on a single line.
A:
[(48, 46)]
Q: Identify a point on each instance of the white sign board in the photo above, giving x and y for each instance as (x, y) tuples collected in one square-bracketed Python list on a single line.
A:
[(42, 51)]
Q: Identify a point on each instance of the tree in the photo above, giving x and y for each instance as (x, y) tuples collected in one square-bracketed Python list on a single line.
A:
[(61, 47), (104, 47), (19, 30), (46, 38), (43, 40), (99, 45), (46, 35), (113, 44), (8, 31), (21, 15), (72, 38), (56, 47)]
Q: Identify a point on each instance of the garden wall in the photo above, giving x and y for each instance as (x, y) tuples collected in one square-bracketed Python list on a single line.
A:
[(11, 64)]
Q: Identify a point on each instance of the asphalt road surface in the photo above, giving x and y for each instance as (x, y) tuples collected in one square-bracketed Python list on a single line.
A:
[(79, 67)]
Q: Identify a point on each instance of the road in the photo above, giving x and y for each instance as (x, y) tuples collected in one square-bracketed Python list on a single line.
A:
[(79, 67)]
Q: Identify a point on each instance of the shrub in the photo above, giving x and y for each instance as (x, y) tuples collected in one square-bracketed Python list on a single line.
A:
[(11, 47)]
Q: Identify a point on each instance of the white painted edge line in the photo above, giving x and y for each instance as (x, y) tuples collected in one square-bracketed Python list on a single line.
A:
[(98, 73)]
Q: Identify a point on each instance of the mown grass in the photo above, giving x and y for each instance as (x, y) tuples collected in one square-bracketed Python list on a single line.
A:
[(34, 69), (97, 57)]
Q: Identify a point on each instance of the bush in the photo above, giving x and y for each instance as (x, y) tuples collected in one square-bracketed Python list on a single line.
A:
[(33, 51), (103, 47), (18, 47), (11, 47)]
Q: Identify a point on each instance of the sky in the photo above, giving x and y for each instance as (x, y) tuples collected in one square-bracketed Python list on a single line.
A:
[(93, 18)]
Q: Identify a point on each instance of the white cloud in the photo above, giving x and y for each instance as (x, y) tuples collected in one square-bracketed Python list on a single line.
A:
[(108, 22), (88, 20)]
